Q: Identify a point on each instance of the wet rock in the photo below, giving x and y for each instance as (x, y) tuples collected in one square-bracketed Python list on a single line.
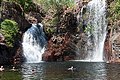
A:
[(4, 54), (82, 46), (18, 57), (4, 51)]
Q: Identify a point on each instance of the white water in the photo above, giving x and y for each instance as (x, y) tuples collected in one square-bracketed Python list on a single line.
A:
[(34, 43), (96, 36)]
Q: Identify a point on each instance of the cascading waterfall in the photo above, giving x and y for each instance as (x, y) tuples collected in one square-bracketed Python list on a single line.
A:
[(97, 30), (34, 43)]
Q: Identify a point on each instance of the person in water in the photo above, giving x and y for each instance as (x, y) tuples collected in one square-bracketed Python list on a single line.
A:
[(13, 69), (1, 68)]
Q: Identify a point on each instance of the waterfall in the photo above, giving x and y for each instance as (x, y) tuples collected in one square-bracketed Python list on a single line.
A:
[(34, 43), (97, 30)]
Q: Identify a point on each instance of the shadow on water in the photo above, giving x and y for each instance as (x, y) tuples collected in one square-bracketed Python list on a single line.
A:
[(59, 71), (113, 71)]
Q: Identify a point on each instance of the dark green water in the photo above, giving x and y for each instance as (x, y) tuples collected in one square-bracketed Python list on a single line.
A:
[(58, 71)]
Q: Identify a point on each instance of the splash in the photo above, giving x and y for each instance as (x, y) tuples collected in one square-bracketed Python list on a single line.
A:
[(34, 43)]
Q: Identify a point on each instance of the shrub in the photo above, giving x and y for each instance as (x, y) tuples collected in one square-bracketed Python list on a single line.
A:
[(9, 29), (117, 7)]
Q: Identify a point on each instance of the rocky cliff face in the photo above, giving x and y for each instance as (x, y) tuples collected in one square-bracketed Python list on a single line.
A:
[(112, 48), (62, 44), (3, 51)]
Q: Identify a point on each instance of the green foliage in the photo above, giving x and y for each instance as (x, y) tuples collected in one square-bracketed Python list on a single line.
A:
[(9, 29), (115, 10), (117, 6), (56, 4), (89, 28), (10, 75), (54, 8), (50, 30), (24, 3)]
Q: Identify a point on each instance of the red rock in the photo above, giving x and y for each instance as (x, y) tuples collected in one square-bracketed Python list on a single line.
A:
[(56, 51)]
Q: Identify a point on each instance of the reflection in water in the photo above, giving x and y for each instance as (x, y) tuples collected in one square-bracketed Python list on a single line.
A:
[(113, 71), (59, 71), (32, 71)]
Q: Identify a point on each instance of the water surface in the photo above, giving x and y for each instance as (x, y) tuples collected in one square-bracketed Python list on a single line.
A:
[(59, 71)]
